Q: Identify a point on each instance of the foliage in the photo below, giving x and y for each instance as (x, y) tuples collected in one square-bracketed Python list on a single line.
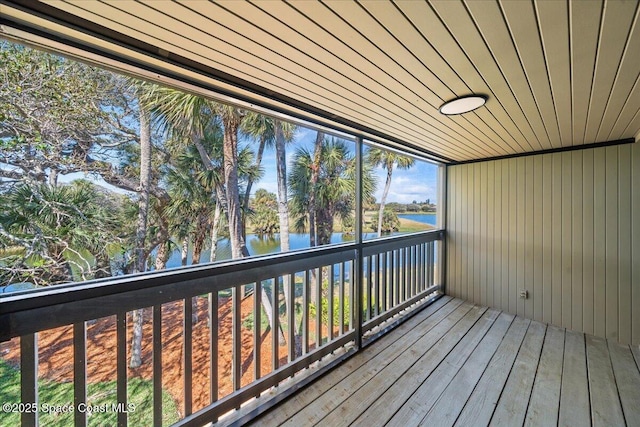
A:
[(264, 217), (387, 160), (324, 302), (249, 321), (390, 222), (57, 116), (61, 230), (334, 189), (140, 394)]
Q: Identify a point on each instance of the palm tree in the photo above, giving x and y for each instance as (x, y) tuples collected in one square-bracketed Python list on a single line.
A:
[(186, 116), (333, 191), (387, 159), (260, 127), (273, 131), (58, 226)]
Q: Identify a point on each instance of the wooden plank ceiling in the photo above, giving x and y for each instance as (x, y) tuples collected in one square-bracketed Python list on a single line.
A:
[(556, 73)]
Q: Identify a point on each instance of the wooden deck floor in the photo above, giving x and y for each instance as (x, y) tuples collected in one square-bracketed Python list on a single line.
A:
[(459, 364)]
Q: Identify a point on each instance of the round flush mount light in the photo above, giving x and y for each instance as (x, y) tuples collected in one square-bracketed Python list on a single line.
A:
[(463, 104)]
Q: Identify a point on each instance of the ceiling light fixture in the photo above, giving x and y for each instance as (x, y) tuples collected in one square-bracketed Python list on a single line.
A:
[(463, 104)]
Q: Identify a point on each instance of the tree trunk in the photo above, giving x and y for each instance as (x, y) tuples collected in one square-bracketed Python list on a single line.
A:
[(281, 176), (199, 239), (383, 200), (231, 123), (315, 173), (53, 178), (162, 256), (184, 252), (230, 150), (103, 266), (141, 231), (215, 227), (198, 246), (324, 224), (283, 208)]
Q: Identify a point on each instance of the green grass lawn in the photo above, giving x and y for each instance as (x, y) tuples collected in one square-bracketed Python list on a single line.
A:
[(51, 394), (411, 226)]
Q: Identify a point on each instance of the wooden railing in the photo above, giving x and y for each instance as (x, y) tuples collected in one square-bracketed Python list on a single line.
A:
[(320, 300)]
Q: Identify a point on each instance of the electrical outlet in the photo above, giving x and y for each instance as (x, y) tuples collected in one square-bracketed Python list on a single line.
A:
[(524, 294)]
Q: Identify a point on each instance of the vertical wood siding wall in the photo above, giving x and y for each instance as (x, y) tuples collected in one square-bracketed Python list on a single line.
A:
[(563, 226)]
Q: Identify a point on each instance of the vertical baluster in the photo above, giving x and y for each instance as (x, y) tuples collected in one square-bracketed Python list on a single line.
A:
[(121, 366), (29, 377), (388, 264), (330, 301), (383, 258), (79, 372), (319, 308), (305, 313), (425, 264), (414, 282), (157, 366), (405, 272), (275, 332), (421, 266), (400, 273), (431, 263), (409, 268), (417, 268), (369, 289), (375, 260), (291, 317), (419, 272), (341, 298), (213, 347), (419, 284), (396, 268), (413, 256), (187, 360), (353, 295), (425, 268), (236, 366), (427, 252), (257, 323)]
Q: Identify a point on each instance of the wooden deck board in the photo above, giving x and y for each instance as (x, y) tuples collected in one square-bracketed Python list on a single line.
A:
[(446, 409), (459, 364), (414, 410), (482, 402), (514, 400), (575, 408), (545, 396), (635, 350), (387, 346), (627, 379), (606, 409), (378, 397)]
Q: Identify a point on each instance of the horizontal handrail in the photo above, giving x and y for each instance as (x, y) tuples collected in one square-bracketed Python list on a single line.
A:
[(371, 247)]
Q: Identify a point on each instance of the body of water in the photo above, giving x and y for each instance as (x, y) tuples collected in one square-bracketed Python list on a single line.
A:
[(260, 246), (426, 218), (271, 244)]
